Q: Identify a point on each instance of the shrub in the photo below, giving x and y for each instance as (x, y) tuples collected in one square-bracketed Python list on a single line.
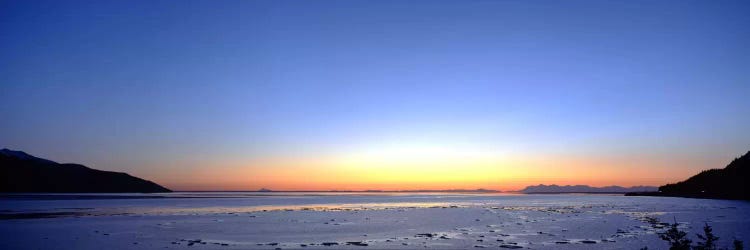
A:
[(677, 239), (709, 239)]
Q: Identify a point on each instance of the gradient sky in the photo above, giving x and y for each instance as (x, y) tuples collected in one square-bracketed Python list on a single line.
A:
[(239, 95)]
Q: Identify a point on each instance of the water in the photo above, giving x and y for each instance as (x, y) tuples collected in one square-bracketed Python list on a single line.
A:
[(242, 220)]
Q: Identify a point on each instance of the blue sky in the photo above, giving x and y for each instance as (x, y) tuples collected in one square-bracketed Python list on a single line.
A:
[(134, 85)]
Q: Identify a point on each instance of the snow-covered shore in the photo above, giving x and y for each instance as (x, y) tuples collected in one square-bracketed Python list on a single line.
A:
[(362, 221)]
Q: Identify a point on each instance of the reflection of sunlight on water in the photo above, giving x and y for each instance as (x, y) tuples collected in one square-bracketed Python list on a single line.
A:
[(196, 203), (243, 194), (272, 208), (309, 194)]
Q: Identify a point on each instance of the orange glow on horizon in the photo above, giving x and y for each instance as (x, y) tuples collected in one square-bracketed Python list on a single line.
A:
[(426, 168)]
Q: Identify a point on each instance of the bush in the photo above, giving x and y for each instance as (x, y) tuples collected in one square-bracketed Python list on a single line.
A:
[(678, 239), (709, 239), (738, 244)]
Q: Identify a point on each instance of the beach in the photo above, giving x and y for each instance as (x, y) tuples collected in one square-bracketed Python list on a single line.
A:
[(278, 220)]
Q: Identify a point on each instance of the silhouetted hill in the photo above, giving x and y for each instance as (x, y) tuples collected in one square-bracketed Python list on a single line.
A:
[(539, 189), (728, 183), (21, 172)]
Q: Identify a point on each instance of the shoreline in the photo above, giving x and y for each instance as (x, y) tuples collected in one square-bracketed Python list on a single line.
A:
[(694, 195)]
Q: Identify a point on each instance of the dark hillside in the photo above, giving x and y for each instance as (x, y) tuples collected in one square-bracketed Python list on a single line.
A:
[(21, 172)]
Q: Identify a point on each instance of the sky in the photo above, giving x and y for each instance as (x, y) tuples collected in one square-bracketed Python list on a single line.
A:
[(392, 95)]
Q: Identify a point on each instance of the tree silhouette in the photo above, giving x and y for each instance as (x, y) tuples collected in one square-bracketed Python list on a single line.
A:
[(677, 239), (738, 244), (709, 239)]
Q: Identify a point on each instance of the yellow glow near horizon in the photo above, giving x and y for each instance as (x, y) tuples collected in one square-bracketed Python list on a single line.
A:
[(419, 164), (415, 166)]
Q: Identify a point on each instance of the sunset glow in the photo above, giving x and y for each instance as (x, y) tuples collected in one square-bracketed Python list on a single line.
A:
[(386, 95), (413, 168), (374, 124)]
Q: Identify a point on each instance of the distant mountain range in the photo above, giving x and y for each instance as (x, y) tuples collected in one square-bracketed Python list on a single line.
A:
[(24, 173), (540, 189), (730, 182)]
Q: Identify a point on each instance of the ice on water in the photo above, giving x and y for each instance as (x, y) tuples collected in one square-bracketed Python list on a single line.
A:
[(359, 220)]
